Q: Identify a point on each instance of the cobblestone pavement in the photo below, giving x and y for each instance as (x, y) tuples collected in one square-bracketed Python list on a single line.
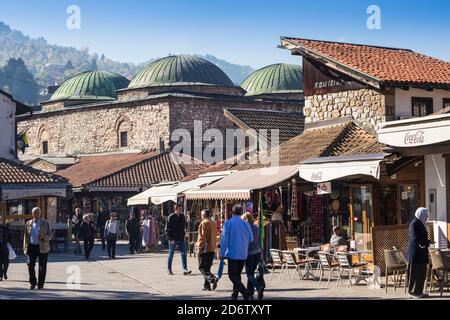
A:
[(144, 276)]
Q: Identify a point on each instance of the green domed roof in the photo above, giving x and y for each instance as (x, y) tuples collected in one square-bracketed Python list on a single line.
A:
[(276, 78), (91, 85), (180, 70)]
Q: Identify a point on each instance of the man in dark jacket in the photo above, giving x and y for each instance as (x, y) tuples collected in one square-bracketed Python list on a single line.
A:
[(175, 233), (417, 254), (5, 238), (102, 217), (132, 228), (87, 234)]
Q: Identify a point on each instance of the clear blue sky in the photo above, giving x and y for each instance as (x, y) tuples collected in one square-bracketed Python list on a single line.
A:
[(244, 32)]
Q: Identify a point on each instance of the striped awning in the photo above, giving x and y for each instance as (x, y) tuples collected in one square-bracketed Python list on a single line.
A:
[(239, 185)]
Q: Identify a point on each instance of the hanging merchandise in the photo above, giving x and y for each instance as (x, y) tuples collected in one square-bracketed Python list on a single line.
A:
[(317, 218), (268, 196), (248, 205), (294, 201)]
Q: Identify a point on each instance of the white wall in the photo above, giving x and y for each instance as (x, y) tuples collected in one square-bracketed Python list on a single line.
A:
[(7, 126), (435, 179), (403, 105)]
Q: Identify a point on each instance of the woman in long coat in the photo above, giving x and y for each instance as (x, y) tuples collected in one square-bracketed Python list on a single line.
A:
[(417, 254)]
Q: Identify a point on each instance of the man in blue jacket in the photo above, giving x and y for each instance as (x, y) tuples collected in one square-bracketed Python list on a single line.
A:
[(234, 244)]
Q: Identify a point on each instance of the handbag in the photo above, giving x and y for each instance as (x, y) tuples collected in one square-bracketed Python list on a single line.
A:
[(11, 254)]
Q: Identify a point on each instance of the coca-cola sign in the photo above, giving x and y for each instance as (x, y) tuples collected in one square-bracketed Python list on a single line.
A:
[(316, 176), (415, 137)]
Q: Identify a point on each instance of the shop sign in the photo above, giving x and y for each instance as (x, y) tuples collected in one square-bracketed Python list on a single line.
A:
[(414, 137), (324, 188)]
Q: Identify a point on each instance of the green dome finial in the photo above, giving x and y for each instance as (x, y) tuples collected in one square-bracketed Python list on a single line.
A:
[(276, 78)]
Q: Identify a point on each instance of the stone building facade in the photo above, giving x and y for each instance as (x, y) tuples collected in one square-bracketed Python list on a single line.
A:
[(368, 107), (85, 118), (370, 83)]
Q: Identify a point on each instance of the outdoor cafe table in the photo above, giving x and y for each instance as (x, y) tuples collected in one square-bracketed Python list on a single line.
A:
[(305, 252)]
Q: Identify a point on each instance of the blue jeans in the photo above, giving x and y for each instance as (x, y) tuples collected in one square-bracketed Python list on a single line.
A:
[(182, 248)]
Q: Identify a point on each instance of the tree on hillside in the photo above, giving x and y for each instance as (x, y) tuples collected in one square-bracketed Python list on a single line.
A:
[(17, 80), (94, 64), (68, 65)]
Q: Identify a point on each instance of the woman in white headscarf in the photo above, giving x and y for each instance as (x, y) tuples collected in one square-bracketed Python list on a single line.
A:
[(417, 254)]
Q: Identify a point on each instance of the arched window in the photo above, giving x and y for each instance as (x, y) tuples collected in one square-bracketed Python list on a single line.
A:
[(44, 138), (123, 129)]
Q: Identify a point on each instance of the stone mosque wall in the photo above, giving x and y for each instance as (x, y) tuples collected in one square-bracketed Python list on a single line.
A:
[(96, 129)]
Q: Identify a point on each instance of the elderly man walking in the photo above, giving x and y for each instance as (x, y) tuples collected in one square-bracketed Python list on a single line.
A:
[(36, 244), (234, 245)]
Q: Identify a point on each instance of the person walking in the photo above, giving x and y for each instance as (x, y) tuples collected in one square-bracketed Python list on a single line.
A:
[(175, 230), (77, 219), (102, 217), (206, 245), (417, 254), (132, 229), (236, 237), (36, 244), (111, 235), (253, 259), (5, 239), (87, 234)]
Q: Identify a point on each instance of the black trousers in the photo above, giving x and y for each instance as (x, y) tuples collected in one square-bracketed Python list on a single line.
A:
[(88, 246), (235, 268), (417, 275), (33, 254), (102, 237), (111, 247), (4, 262), (250, 267), (205, 261), (133, 242)]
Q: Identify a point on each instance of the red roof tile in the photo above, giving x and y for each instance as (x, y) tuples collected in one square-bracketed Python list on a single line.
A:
[(389, 65), (130, 170), (91, 168), (16, 173)]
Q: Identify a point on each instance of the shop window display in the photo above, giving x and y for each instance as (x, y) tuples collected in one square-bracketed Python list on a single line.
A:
[(409, 202), (362, 214), (388, 205)]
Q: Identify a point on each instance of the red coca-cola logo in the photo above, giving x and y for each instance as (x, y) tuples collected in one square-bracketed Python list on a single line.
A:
[(415, 137)]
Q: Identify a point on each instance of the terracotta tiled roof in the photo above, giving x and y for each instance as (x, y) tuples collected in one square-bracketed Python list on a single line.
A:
[(391, 65), (130, 170), (163, 167), (91, 168), (289, 124), (16, 173), (326, 141)]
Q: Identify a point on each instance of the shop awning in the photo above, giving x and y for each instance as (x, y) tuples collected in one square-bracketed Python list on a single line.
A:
[(238, 186), (143, 198), (331, 168), (171, 194), (29, 191), (415, 132)]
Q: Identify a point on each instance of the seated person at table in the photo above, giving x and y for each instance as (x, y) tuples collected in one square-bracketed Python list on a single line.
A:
[(337, 239)]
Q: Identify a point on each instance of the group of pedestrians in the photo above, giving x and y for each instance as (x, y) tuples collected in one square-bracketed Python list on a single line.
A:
[(240, 245)]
